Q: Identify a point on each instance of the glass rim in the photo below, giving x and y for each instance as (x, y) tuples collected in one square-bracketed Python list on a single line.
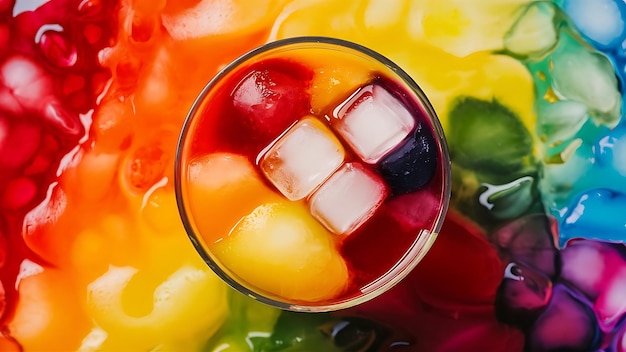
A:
[(412, 256)]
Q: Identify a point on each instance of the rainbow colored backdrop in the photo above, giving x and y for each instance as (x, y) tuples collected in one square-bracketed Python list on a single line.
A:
[(93, 256)]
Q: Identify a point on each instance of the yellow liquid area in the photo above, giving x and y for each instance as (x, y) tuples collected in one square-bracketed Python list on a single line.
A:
[(448, 55)]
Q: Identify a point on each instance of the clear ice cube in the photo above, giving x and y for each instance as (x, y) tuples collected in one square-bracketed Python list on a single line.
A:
[(372, 122), (302, 158), (348, 198)]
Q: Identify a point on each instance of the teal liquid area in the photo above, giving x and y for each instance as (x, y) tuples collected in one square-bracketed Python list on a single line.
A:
[(561, 270)]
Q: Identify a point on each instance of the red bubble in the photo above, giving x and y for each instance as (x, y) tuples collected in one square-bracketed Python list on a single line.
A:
[(20, 145), (18, 193), (92, 33), (57, 49)]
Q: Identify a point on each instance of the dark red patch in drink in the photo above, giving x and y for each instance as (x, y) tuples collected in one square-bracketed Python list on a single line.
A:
[(254, 106)]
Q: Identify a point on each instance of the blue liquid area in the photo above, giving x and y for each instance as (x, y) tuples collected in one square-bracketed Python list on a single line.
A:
[(601, 22), (587, 194), (583, 174), (596, 214)]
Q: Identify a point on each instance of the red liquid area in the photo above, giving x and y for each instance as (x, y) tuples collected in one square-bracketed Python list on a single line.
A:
[(379, 244), (453, 287), (50, 76)]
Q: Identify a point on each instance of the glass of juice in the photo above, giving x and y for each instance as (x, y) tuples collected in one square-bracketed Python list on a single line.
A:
[(312, 174)]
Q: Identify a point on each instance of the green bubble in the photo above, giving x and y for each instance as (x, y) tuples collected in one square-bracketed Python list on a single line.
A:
[(249, 325), (296, 332), (534, 33), (486, 136)]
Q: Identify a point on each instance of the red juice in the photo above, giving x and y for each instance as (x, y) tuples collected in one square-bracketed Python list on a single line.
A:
[(313, 176), (50, 77)]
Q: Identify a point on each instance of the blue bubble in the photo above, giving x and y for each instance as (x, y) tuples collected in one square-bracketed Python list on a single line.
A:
[(596, 214), (600, 21)]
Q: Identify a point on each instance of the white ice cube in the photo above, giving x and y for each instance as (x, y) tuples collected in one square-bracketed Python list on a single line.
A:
[(348, 198), (302, 158), (372, 122)]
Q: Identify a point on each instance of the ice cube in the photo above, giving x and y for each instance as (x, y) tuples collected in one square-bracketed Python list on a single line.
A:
[(372, 122), (302, 158), (348, 199)]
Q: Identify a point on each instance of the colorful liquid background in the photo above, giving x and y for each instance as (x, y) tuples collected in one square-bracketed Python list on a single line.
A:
[(531, 257)]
